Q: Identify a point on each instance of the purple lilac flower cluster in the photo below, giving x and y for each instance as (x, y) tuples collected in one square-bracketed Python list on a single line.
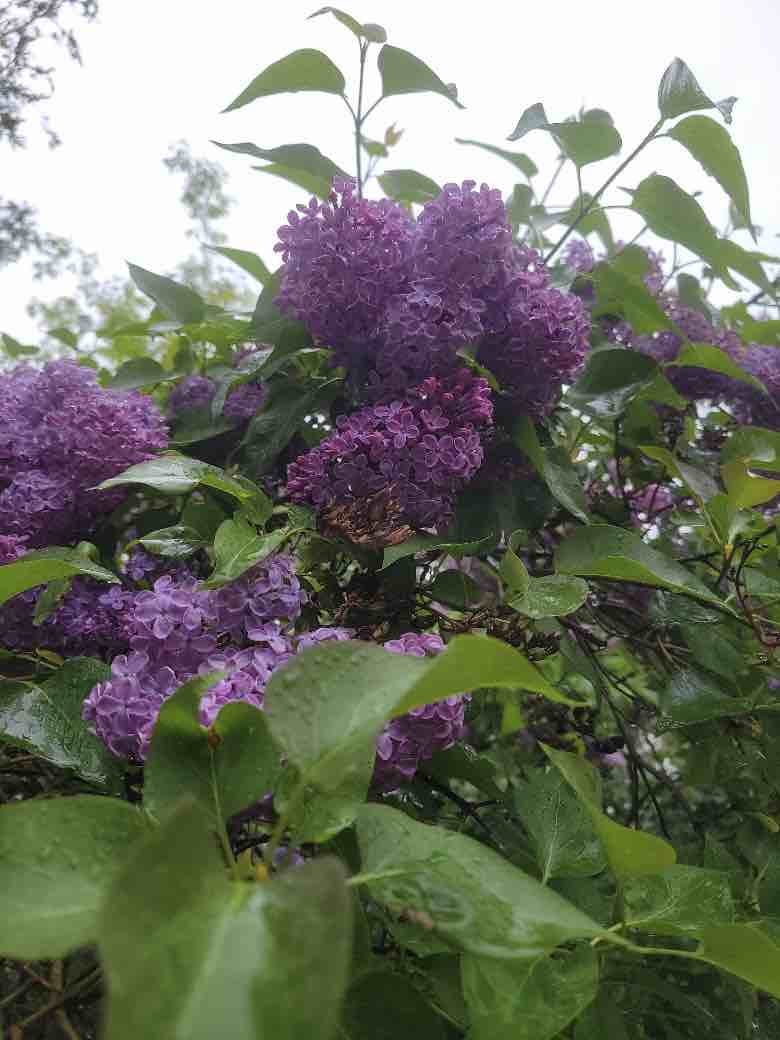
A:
[(173, 631), (410, 739), (422, 450), (60, 435), (395, 299)]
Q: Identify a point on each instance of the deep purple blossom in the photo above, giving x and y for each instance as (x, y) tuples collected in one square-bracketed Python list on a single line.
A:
[(422, 450), (60, 435), (410, 739), (195, 391)]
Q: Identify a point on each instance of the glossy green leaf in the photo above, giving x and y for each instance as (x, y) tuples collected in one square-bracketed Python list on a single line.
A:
[(305, 69), (456, 589), (303, 157), (611, 552), (178, 302), (673, 214), (221, 958), (679, 92), (564, 483), (408, 186), (58, 857), (14, 349), (754, 445), (222, 771), (45, 718), (745, 490), (246, 260), (520, 160), (176, 542), (174, 474), (474, 899), (680, 901), (404, 73), (746, 952), (445, 543), (713, 148), (629, 853), (612, 378), (44, 565), (560, 828), (237, 547), (626, 295), (512, 570), (528, 1000), (698, 480), (553, 595), (270, 430), (139, 372)]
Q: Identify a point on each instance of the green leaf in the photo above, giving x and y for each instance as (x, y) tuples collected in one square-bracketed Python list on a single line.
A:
[(692, 696), (222, 771), (46, 719), (528, 1000), (408, 186), (311, 184), (690, 294), (589, 139), (747, 263), (58, 857), (326, 706), (704, 355), (14, 349), (444, 543), (678, 93), (512, 570), (673, 214), (302, 70), (613, 377), (174, 474), (562, 480), (754, 445), (303, 157), (456, 589), (618, 292), (746, 952), (629, 853), (713, 148), (139, 372), (237, 547), (745, 490), (222, 958), (177, 542), (533, 118), (703, 486), (270, 431), (177, 302), (679, 901), (473, 898), (553, 595), (50, 598), (603, 551), (518, 206), (382, 1006), (371, 32), (44, 565), (403, 73), (246, 260), (520, 160), (560, 829)]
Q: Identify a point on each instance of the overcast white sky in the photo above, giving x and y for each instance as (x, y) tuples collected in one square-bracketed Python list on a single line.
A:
[(159, 70)]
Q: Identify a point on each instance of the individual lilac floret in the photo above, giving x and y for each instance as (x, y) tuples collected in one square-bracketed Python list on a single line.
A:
[(407, 741), (124, 709), (420, 450), (60, 435), (539, 341)]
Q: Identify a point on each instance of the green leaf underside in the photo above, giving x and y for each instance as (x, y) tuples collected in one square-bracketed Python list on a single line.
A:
[(44, 565), (301, 70)]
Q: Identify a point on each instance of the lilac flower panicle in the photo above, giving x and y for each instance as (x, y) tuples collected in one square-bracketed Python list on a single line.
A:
[(407, 741), (422, 450), (191, 392), (60, 435)]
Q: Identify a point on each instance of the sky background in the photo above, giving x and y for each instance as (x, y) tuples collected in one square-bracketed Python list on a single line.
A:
[(156, 71)]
